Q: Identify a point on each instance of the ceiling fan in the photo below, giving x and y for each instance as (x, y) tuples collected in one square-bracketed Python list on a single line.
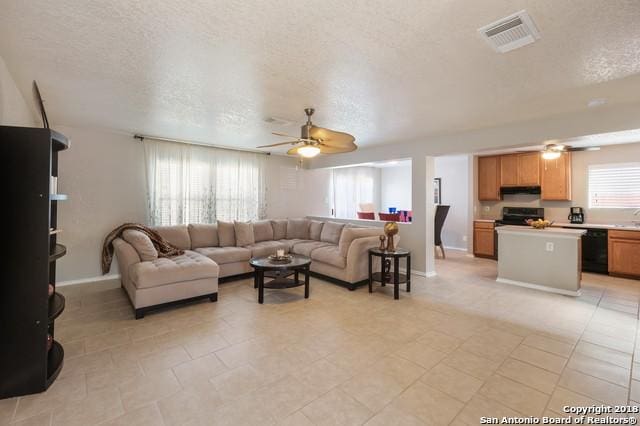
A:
[(314, 140), (553, 150)]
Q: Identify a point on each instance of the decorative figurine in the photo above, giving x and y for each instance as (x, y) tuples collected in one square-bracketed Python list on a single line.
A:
[(382, 238), (390, 229)]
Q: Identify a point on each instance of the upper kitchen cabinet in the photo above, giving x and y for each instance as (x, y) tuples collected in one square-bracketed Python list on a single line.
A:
[(489, 178), (509, 170), (529, 169), (556, 178)]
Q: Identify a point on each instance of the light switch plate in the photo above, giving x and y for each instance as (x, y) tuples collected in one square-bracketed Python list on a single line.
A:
[(487, 208), (549, 246)]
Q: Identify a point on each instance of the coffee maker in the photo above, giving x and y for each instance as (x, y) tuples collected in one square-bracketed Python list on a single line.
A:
[(576, 215)]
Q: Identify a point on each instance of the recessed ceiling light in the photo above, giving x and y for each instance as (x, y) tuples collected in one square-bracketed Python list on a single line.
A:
[(594, 103)]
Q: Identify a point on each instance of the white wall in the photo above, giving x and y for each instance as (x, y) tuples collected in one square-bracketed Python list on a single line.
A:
[(14, 111), (559, 210), (453, 170), (395, 187), (103, 172)]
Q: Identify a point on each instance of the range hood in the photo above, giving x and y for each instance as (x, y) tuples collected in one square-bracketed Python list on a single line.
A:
[(519, 190)]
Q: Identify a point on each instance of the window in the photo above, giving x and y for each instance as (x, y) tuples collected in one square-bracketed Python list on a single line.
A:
[(614, 186), (353, 186), (195, 184)]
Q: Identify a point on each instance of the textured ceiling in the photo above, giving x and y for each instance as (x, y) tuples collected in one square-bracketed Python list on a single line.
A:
[(385, 71)]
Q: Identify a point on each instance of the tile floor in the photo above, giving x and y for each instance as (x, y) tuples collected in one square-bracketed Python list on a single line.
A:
[(459, 347)]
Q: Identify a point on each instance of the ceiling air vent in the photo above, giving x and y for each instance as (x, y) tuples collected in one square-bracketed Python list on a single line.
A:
[(510, 33)]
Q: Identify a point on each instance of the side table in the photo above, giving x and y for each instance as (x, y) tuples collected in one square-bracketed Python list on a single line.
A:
[(386, 275)]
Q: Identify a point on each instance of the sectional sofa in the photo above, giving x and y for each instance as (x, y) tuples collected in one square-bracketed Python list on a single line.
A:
[(222, 251)]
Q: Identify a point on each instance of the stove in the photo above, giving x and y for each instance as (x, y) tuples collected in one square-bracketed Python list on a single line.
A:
[(520, 215)]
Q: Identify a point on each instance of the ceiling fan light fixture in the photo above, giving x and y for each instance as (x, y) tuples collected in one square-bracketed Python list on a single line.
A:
[(308, 151), (551, 154)]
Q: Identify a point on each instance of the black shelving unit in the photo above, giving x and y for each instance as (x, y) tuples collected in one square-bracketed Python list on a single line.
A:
[(27, 312)]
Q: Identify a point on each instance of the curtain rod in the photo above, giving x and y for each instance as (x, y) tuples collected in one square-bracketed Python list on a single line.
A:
[(141, 137)]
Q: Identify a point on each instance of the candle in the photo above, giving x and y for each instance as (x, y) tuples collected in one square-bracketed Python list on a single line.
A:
[(280, 252)]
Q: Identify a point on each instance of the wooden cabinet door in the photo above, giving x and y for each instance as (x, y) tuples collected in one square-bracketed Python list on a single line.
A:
[(624, 253), (509, 170), (489, 178), (529, 169), (556, 178), (483, 242)]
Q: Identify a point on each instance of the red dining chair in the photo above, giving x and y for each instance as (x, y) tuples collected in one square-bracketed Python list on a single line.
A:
[(389, 217), (367, 215)]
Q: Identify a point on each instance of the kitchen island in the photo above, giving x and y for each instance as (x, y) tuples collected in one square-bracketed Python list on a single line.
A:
[(545, 259)]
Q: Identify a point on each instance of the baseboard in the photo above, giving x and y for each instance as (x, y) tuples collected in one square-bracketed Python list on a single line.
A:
[(413, 272), (89, 280), (431, 274), (539, 287), (456, 248)]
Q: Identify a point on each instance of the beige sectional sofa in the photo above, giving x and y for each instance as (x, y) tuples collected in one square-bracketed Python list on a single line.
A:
[(222, 251)]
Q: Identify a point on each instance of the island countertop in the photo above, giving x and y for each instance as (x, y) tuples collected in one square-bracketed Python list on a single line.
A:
[(549, 231)]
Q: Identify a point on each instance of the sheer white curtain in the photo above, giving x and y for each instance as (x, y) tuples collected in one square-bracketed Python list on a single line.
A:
[(353, 186), (197, 184)]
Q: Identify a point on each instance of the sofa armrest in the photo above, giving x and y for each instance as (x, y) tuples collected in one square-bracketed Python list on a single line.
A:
[(358, 258), (126, 256)]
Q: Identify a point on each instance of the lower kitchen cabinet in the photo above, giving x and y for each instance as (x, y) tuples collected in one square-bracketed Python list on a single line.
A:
[(483, 239), (624, 253)]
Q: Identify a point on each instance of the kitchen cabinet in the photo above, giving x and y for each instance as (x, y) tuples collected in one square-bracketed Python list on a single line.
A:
[(556, 178), (489, 178), (529, 169), (483, 239), (624, 253), (509, 170)]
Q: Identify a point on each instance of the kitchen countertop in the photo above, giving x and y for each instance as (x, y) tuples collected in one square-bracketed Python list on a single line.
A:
[(484, 220), (546, 231), (597, 226)]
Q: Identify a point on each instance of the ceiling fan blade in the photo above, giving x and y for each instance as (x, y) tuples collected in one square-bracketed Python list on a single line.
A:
[(284, 135), (585, 148), (331, 137), (294, 150), (328, 149), (278, 144)]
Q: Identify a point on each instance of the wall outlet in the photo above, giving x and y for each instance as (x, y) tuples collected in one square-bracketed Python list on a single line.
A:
[(464, 238), (549, 247), (487, 208)]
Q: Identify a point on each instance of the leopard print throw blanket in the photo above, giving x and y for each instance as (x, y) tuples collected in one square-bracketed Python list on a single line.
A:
[(165, 249)]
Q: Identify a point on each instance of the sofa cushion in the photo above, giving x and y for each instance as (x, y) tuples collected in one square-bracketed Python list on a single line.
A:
[(169, 270), (315, 229), (279, 229), (223, 255), (291, 243), (329, 254), (177, 235), (265, 248), (305, 248), (203, 235), (262, 230), (331, 232), (226, 234), (350, 233), (141, 243), (244, 233), (298, 228)]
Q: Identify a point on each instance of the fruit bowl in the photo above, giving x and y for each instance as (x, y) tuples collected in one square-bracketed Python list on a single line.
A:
[(539, 223)]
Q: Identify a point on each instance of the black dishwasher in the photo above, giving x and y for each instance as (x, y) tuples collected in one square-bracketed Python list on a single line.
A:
[(594, 250)]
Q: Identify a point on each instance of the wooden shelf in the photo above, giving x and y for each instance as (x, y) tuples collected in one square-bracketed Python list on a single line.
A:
[(57, 197), (55, 360), (56, 306), (58, 252)]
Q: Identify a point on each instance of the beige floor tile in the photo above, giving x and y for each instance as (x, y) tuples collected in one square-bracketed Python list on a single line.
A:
[(195, 405), (164, 360), (284, 397), (242, 411), (602, 353), (421, 354), (336, 408), (39, 420), (7, 408), (440, 341), (74, 349), (428, 404), (392, 415), (517, 396), (322, 376), (238, 382), (479, 407), (201, 345), (97, 361), (241, 353), (593, 387), (542, 359), (549, 345), (197, 370), (141, 391), (635, 390), (600, 369), (453, 382), (95, 408), (563, 397), (373, 389), (469, 363), (63, 391), (100, 342), (610, 342), (296, 419), (530, 375), (403, 371), (99, 380), (149, 415)]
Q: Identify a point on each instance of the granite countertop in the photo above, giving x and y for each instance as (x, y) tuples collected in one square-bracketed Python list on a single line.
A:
[(621, 227), (546, 231)]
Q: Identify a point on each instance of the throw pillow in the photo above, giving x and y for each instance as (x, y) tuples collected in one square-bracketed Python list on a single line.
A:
[(315, 229), (331, 232), (279, 229), (203, 235), (262, 230), (298, 229), (141, 243), (244, 233), (226, 234)]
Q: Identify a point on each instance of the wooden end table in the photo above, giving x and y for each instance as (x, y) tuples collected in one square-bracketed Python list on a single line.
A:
[(386, 276)]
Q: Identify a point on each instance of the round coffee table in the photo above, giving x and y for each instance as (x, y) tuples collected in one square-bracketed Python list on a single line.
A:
[(280, 273)]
